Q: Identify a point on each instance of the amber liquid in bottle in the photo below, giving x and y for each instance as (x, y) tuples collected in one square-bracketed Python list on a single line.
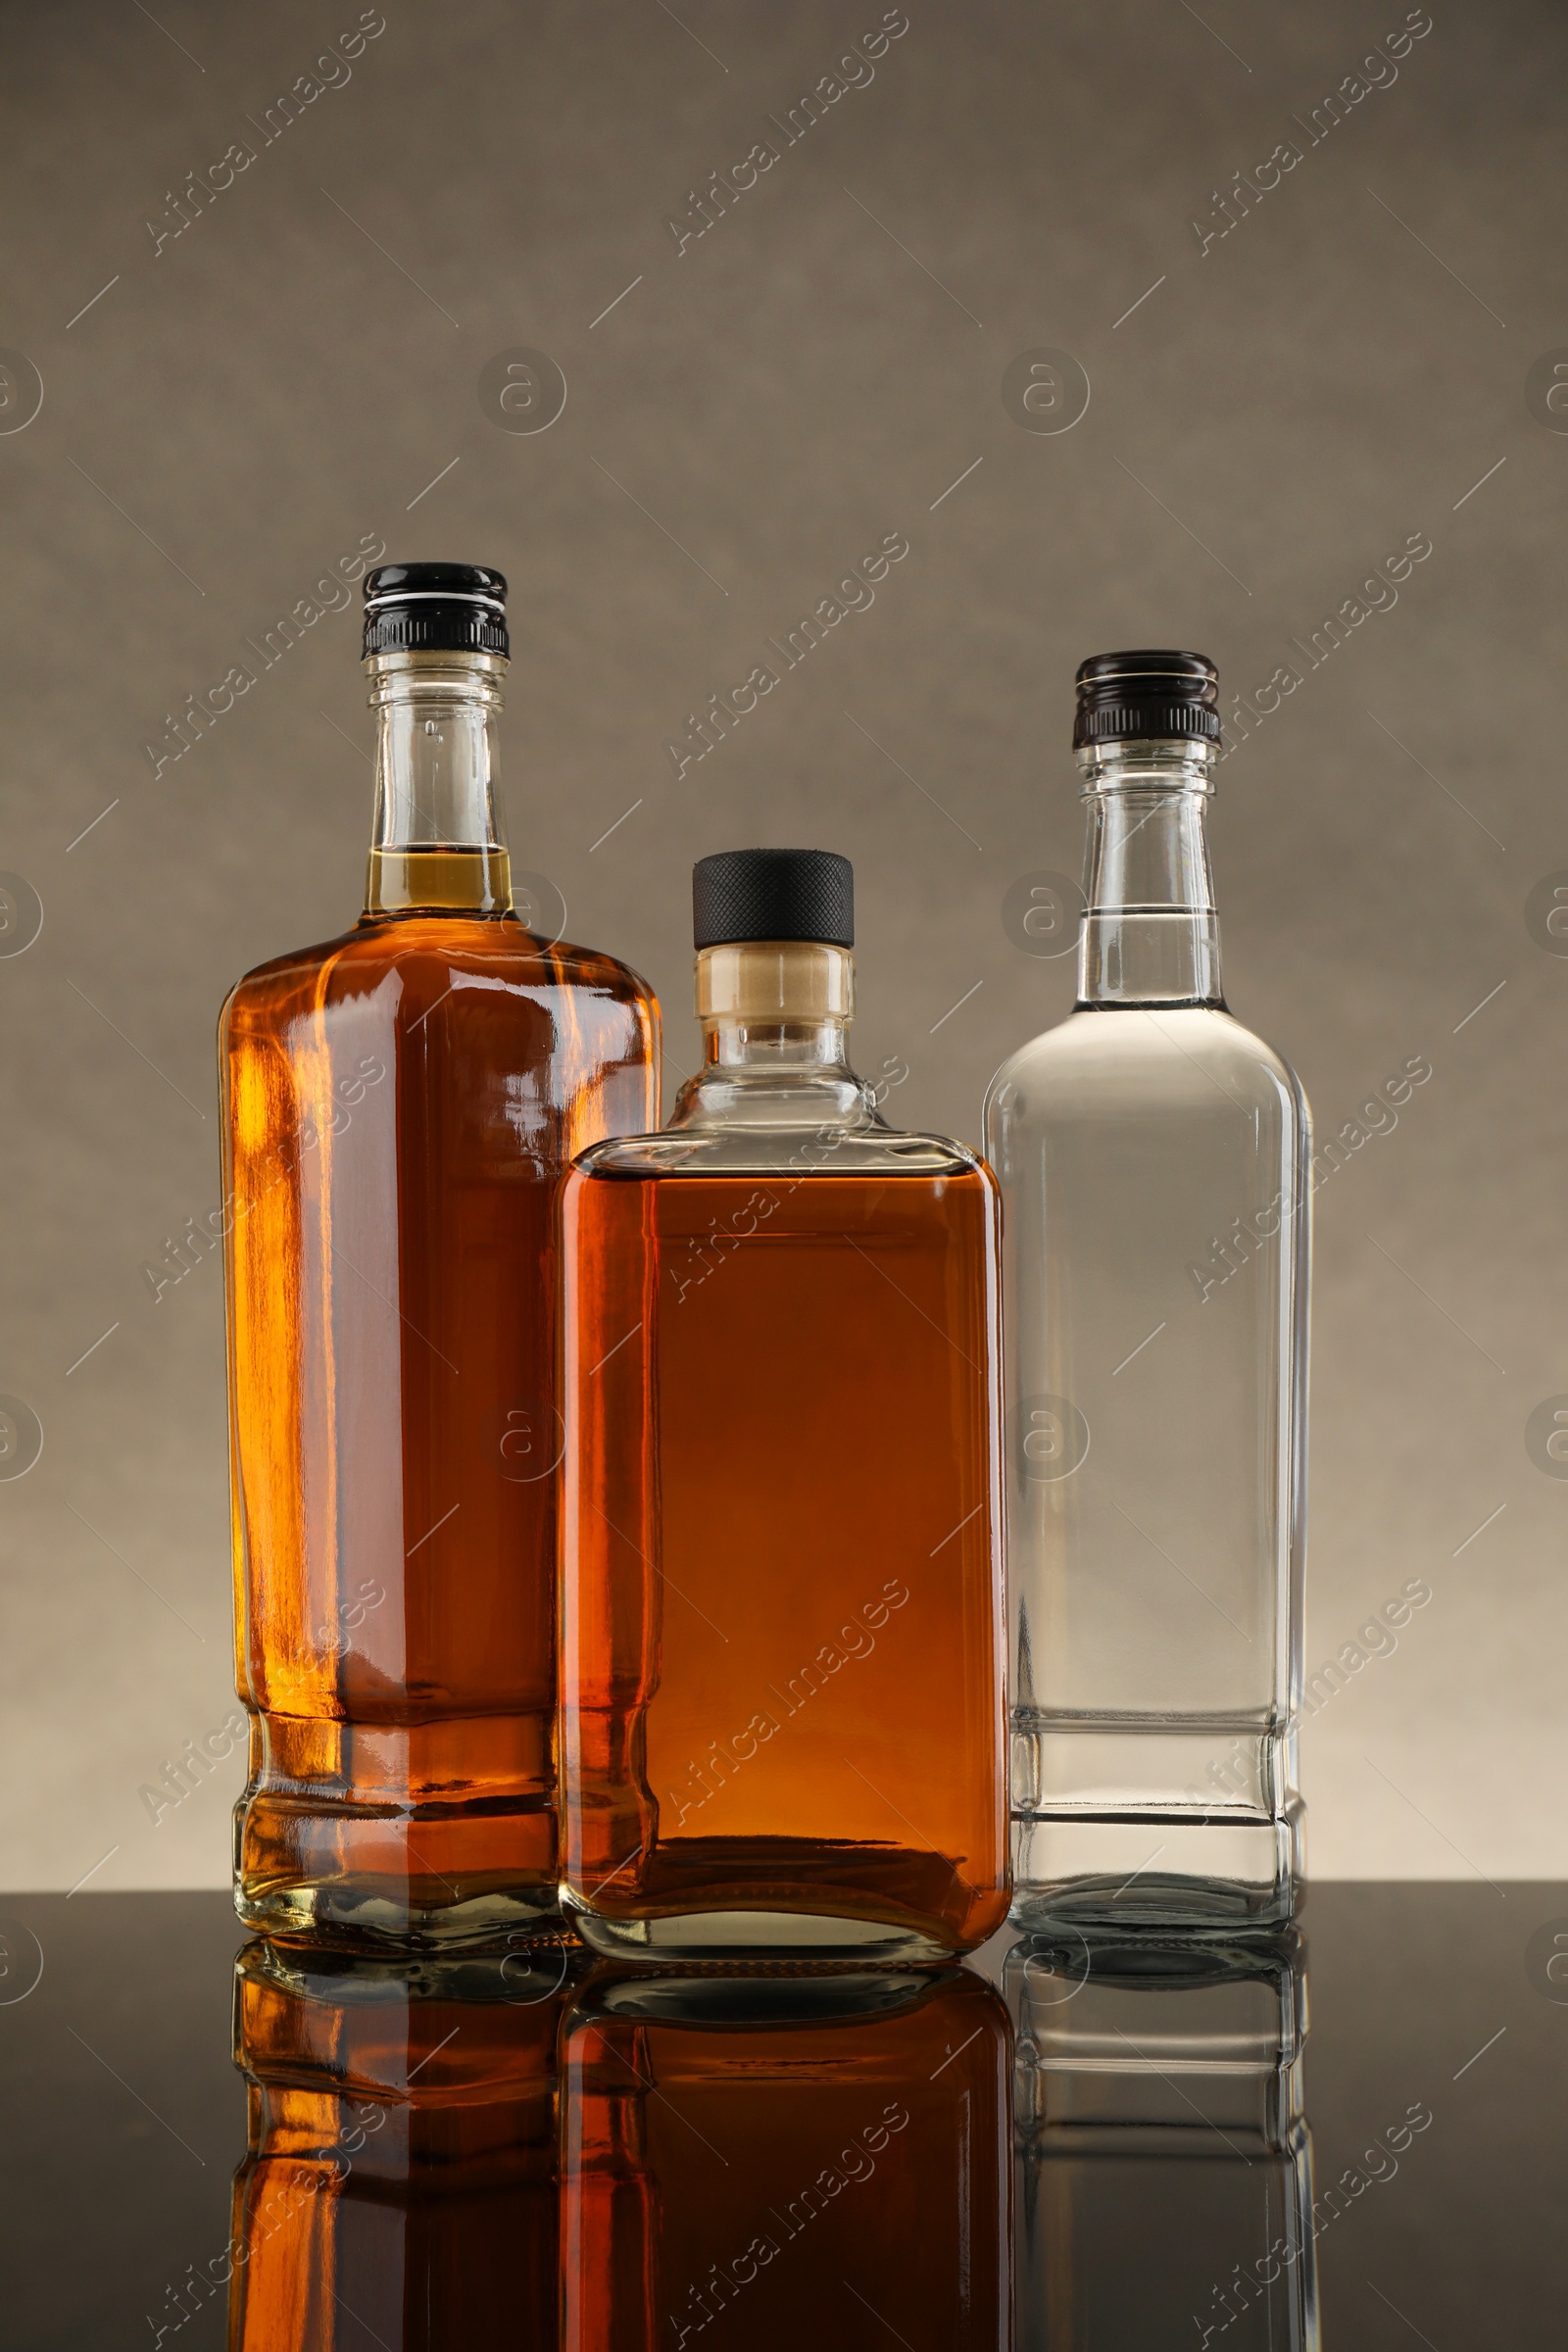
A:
[(767, 2161), (399, 1106), (400, 2186), (781, 1671)]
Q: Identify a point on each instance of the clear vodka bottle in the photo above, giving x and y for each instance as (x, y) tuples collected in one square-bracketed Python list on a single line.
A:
[(1154, 1160)]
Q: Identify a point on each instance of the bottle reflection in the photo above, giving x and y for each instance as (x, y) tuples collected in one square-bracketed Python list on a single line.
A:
[(768, 2161), (400, 2184), (1164, 2182)]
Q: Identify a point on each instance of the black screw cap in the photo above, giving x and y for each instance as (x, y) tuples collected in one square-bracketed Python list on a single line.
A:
[(435, 608), (1143, 694), (773, 894)]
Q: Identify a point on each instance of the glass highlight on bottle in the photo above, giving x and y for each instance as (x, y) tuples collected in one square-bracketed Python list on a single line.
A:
[(781, 1653), (398, 1106), (1153, 1157)]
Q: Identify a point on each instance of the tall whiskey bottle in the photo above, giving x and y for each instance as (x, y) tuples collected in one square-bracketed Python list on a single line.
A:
[(398, 1105), (782, 1635), (1154, 1159)]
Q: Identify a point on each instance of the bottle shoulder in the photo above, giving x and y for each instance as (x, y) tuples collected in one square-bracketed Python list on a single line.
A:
[(592, 967), (1146, 1053), (425, 953), (877, 1152)]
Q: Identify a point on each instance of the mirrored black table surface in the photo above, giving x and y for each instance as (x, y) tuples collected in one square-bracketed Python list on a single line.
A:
[(1355, 2135)]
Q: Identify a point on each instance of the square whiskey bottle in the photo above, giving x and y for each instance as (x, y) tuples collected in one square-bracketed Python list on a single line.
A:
[(781, 1598)]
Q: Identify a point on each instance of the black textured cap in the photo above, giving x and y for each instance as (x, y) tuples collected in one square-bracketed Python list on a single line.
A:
[(435, 608), (773, 894), (1140, 695)]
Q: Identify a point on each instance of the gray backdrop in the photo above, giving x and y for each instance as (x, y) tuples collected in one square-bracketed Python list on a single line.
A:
[(230, 410)]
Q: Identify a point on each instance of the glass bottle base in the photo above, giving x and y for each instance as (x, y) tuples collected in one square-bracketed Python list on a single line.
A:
[(389, 1878), (1155, 1870), (737, 1938), (390, 1916)]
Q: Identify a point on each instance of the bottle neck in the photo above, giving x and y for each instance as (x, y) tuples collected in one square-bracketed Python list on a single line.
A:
[(438, 846), (1149, 933), (775, 1018)]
